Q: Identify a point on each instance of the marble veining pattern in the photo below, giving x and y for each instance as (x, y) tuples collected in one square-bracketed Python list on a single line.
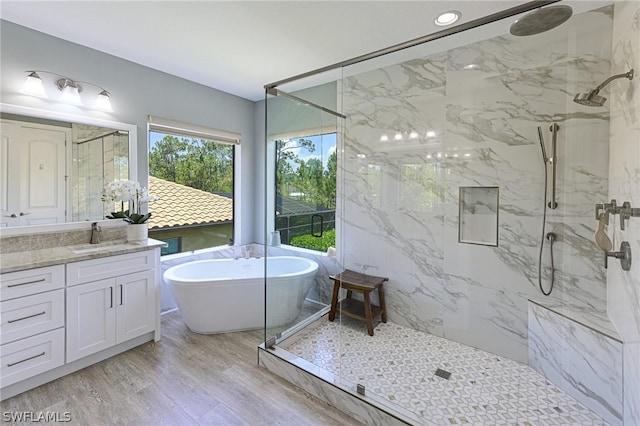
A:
[(398, 364), (417, 131), (631, 354), (49, 240), (623, 287), (584, 363)]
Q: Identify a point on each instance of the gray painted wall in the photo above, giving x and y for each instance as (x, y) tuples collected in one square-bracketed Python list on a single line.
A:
[(136, 92)]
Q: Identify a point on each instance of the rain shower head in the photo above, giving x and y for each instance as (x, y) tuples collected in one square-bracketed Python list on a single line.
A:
[(593, 99), (541, 20)]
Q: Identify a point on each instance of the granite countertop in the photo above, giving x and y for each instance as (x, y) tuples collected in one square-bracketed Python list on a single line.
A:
[(21, 260)]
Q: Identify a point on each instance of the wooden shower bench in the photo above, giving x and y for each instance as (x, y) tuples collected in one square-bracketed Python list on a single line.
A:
[(362, 283)]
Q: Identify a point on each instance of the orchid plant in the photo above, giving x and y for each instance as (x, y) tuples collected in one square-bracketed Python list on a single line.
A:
[(130, 192)]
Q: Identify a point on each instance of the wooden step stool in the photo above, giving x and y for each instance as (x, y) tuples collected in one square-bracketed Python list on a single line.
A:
[(365, 284)]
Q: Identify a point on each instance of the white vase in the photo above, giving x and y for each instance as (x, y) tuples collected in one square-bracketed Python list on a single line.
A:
[(137, 232)]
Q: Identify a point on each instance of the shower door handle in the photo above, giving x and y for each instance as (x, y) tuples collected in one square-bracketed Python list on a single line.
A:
[(313, 233)]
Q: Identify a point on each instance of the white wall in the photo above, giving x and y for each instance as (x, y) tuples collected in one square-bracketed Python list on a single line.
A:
[(136, 92)]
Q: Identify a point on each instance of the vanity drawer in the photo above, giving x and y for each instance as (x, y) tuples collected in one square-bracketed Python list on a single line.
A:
[(31, 356), (109, 267), (31, 281), (30, 315)]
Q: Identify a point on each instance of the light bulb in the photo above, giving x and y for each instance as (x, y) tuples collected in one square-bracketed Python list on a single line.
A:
[(103, 103), (33, 86), (70, 91)]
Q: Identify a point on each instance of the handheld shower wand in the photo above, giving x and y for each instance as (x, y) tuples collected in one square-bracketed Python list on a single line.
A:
[(544, 150)]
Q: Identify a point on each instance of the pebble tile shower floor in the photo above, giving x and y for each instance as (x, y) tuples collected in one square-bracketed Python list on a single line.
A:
[(399, 364)]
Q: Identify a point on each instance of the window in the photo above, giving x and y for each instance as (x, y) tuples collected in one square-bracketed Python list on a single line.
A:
[(174, 245), (191, 170), (306, 190)]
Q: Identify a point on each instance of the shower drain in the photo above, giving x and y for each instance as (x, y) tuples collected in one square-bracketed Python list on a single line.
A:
[(443, 373)]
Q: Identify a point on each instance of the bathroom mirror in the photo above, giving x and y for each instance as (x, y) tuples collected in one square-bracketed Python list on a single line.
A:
[(54, 165)]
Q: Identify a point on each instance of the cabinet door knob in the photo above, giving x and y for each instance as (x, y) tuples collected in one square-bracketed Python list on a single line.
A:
[(24, 214), (11, 215)]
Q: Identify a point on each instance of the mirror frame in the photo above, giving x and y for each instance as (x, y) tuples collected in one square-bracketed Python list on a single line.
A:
[(70, 118)]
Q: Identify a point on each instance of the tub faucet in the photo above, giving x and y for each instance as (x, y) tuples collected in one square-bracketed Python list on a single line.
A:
[(95, 229), (247, 252)]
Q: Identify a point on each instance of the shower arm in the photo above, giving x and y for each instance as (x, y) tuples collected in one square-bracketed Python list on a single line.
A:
[(628, 74)]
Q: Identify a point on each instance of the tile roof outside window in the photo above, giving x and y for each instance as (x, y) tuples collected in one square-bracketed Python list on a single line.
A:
[(180, 205)]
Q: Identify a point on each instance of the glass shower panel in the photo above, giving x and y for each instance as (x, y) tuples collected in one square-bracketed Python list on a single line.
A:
[(300, 209), (445, 201), (454, 116), (88, 182)]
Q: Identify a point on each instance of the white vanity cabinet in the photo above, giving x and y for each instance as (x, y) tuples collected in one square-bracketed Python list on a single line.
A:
[(103, 312), (32, 335), (58, 319)]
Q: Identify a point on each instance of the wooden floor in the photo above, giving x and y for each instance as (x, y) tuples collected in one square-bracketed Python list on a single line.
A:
[(185, 379)]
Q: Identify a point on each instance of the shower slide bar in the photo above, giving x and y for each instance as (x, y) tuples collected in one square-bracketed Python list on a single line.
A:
[(551, 160), (554, 164)]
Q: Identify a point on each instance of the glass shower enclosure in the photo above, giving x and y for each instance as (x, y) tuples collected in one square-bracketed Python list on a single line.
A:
[(467, 176)]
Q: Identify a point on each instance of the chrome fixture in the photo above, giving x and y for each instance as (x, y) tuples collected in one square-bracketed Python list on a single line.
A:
[(624, 255), (70, 89), (541, 20), (625, 211), (551, 236), (95, 230), (550, 160), (592, 98)]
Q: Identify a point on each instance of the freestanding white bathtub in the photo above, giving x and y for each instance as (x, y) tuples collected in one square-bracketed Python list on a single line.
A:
[(223, 295)]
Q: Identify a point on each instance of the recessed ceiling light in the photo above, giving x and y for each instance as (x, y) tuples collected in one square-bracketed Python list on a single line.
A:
[(447, 18)]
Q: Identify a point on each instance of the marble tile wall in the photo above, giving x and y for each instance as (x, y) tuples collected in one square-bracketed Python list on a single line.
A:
[(623, 287), (417, 131), (586, 364)]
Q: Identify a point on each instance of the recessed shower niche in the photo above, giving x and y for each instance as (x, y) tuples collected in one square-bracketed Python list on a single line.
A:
[(478, 215)]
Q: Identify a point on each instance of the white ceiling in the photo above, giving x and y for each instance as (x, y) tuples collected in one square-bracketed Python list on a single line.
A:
[(238, 46)]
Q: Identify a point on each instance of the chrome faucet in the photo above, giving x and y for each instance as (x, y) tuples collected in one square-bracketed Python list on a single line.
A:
[(95, 229)]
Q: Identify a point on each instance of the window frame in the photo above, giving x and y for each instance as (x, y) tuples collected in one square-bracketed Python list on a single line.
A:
[(189, 130)]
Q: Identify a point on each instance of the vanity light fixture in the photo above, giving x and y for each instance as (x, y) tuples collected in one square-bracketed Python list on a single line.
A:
[(103, 103), (70, 89), (33, 86), (447, 18)]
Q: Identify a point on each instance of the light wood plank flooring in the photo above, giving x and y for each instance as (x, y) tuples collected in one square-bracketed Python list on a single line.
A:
[(185, 379)]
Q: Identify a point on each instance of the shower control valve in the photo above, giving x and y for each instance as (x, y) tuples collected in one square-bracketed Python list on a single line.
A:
[(626, 212), (624, 255)]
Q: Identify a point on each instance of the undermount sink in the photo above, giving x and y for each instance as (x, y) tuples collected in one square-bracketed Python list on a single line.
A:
[(92, 248)]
